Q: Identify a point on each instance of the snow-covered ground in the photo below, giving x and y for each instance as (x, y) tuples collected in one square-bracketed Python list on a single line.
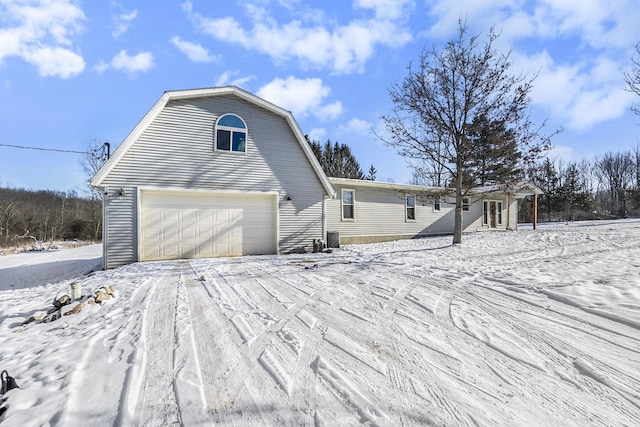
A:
[(511, 328)]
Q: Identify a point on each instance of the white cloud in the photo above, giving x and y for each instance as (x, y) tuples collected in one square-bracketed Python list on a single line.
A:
[(385, 9), (141, 62), (40, 32), (578, 49), (579, 95), (122, 21), (55, 61), (595, 23), (329, 111), (101, 67), (303, 97), (561, 152), (356, 126), (339, 48), (318, 134), (227, 79), (193, 51)]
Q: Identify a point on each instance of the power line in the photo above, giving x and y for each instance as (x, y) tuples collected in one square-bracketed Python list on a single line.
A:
[(43, 149)]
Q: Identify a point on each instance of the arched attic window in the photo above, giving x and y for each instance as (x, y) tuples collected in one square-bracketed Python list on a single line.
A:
[(231, 134)]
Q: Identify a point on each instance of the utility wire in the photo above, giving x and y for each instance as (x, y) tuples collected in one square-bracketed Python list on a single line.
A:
[(43, 149)]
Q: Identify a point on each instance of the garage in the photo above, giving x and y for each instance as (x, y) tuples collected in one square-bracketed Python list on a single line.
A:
[(176, 225)]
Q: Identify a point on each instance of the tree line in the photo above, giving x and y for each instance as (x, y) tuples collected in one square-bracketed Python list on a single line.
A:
[(605, 187), (30, 216), (337, 160)]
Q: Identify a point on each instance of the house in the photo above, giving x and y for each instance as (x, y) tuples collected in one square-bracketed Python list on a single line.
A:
[(207, 173), (370, 211), (221, 172)]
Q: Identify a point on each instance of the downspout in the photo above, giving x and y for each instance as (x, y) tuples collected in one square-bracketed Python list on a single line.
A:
[(324, 219), (105, 228)]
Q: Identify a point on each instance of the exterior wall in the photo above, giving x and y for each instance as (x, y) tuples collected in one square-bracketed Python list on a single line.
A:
[(513, 213), (176, 151), (472, 219), (120, 232), (380, 215)]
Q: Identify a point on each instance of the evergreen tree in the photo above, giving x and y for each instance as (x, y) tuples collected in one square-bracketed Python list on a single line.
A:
[(493, 156), (546, 178), (336, 160), (573, 194), (372, 173)]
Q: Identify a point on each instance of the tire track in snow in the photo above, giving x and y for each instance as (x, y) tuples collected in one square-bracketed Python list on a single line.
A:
[(156, 405), (324, 317), (212, 344), (260, 351), (555, 352)]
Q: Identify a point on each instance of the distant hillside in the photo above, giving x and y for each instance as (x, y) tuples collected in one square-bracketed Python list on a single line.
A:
[(30, 216)]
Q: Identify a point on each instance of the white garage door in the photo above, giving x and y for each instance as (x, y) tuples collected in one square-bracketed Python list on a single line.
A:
[(193, 225)]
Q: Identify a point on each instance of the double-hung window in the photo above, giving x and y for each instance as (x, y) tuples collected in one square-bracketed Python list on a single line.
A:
[(410, 207), (231, 134), (465, 204), (348, 204), (436, 205)]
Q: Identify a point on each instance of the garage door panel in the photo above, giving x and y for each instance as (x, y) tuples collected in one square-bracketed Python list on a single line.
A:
[(176, 225)]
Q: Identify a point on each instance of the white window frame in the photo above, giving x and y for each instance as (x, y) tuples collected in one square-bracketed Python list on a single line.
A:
[(353, 204), (407, 207), (232, 130), (466, 203), (437, 205), (485, 212)]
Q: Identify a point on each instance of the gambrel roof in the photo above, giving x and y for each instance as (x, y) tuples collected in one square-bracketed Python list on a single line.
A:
[(168, 96)]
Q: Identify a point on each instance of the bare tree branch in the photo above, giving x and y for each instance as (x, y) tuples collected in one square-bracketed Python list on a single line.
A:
[(444, 93)]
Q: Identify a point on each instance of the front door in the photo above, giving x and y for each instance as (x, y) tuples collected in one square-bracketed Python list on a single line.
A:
[(492, 214)]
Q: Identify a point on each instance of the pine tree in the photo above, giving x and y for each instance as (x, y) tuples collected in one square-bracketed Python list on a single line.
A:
[(573, 194), (372, 173), (493, 153), (336, 160)]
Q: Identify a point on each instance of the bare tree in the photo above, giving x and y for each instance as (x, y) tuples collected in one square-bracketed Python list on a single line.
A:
[(440, 97), (95, 154), (616, 173), (632, 78)]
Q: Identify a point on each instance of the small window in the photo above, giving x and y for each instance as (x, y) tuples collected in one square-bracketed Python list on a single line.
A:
[(499, 213), (411, 206), (436, 205), (231, 134), (465, 204), (348, 204)]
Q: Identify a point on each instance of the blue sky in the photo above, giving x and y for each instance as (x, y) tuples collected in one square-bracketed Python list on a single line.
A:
[(75, 71)]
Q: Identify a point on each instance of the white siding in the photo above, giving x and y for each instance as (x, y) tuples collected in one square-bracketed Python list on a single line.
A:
[(176, 151), (380, 212), (120, 226), (513, 212)]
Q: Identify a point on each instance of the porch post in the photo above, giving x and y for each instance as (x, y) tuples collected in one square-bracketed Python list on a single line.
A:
[(535, 211), (508, 213)]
